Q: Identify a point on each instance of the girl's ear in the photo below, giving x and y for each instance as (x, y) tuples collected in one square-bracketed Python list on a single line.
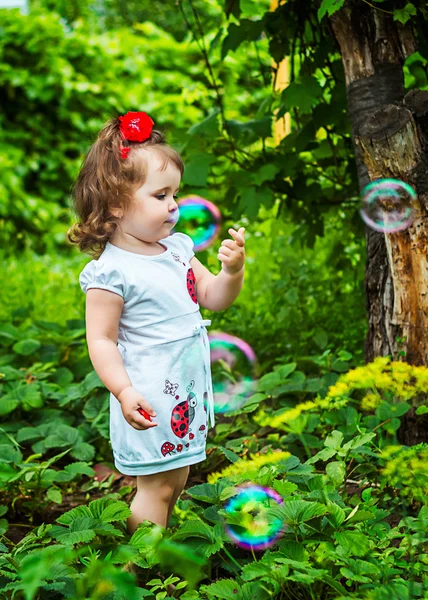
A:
[(117, 212)]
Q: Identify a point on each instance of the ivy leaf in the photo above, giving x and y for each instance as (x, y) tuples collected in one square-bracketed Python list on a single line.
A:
[(302, 93), (247, 30), (329, 7), (265, 173), (404, 14), (209, 126), (197, 170)]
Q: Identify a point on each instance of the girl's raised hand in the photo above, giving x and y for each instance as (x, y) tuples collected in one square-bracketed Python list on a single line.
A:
[(232, 252)]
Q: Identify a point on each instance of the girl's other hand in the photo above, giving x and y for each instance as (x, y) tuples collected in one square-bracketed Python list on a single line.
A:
[(232, 252), (134, 405)]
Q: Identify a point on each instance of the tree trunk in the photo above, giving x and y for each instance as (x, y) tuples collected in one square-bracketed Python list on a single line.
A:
[(390, 140)]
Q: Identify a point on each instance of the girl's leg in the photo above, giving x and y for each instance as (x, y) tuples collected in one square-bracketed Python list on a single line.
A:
[(181, 482), (154, 496)]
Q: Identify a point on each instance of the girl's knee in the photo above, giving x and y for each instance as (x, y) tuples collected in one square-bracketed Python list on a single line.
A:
[(164, 484)]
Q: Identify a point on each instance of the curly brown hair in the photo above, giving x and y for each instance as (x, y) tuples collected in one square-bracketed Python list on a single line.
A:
[(106, 181)]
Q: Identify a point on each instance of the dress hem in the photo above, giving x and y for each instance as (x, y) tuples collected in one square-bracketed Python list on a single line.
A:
[(174, 462)]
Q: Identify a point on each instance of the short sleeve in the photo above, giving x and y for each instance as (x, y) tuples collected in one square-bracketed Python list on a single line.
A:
[(186, 242), (100, 275)]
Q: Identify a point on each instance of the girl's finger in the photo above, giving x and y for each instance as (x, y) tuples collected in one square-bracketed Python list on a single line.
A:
[(239, 239)]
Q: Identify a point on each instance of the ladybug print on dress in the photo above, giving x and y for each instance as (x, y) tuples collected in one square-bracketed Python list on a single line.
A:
[(170, 388), (191, 285), (177, 258), (184, 413), (167, 448)]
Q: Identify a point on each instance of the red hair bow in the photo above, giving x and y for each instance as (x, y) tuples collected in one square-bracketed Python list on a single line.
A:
[(135, 127)]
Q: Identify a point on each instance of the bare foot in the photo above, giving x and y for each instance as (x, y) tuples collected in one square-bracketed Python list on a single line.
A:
[(130, 567), (171, 589)]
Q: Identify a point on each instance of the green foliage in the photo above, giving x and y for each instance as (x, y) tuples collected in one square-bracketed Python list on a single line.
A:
[(353, 504)]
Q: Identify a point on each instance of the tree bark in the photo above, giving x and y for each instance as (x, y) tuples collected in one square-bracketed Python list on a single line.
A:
[(390, 139)]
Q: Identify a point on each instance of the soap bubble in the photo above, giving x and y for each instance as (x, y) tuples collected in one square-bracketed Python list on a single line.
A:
[(248, 521), (233, 369), (387, 205), (200, 219)]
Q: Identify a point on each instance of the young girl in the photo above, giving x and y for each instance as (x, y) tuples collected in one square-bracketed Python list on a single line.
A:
[(146, 337)]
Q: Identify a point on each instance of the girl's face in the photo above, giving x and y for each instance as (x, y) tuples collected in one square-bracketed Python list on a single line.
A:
[(154, 203)]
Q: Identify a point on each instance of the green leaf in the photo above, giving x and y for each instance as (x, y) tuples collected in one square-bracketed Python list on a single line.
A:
[(55, 495), (329, 7), (83, 451), (298, 511), (359, 441), (209, 126), (82, 532), (72, 470), (265, 173), (9, 454), (208, 492), (336, 470), (323, 454), (337, 514), (95, 406), (285, 370), (91, 382), (320, 338), (302, 93), (352, 542), (107, 510), (64, 436), (247, 30), (226, 589), (231, 456), (197, 170), (284, 488), (26, 347), (334, 440), (248, 132), (30, 396), (404, 14)]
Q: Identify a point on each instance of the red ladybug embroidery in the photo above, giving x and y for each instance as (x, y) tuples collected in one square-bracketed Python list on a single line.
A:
[(167, 448), (202, 428), (191, 285), (184, 413), (179, 447)]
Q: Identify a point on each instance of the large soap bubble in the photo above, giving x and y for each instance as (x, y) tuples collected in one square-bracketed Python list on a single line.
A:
[(248, 522), (200, 219), (387, 205), (233, 369)]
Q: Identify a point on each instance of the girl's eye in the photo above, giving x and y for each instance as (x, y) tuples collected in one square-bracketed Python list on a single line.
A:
[(162, 196)]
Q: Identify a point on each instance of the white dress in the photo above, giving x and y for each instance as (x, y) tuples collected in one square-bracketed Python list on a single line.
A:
[(164, 345)]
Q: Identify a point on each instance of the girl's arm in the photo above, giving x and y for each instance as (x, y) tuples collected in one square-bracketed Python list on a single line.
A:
[(218, 292), (103, 310)]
